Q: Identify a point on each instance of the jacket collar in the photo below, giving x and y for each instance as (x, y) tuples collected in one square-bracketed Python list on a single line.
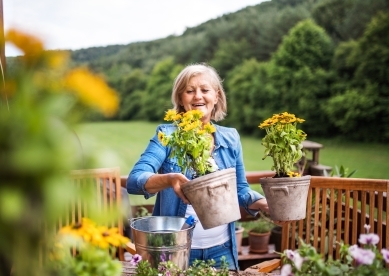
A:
[(220, 140)]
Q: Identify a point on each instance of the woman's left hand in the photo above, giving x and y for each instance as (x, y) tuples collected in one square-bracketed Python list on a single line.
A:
[(260, 204)]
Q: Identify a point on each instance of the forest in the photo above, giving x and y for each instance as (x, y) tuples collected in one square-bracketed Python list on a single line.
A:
[(326, 61)]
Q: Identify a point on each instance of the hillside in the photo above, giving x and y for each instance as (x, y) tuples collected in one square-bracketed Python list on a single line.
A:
[(324, 60)]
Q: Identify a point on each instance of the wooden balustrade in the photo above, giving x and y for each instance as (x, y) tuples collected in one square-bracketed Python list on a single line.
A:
[(337, 210)]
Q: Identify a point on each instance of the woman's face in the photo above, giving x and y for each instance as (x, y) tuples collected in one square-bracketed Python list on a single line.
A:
[(200, 95)]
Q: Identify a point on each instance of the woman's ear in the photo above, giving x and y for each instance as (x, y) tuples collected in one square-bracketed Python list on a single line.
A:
[(217, 97)]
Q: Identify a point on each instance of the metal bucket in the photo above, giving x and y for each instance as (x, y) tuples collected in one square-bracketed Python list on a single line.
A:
[(214, 197), (160, 238)]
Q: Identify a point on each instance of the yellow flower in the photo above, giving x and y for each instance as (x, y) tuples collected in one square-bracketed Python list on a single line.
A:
[(190, 142), (293, 174), (160, 136), (112, 237), (92, 90), (177, 117), (201, 131), (100, 236), (31, 46), (190, 126), (170, 115), (183, 123), (197, 114), (209, 128), (282, 142)]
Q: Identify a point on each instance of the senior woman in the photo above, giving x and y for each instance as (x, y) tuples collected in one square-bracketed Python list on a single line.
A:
[(199, 87)]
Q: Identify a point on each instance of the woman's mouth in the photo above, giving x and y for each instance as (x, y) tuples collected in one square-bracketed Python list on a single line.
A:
[(198, 105)]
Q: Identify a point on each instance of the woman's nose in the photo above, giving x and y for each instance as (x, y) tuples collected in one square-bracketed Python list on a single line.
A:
[(198, 94)]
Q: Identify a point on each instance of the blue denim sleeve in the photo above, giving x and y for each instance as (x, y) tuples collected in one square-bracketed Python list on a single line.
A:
[(149, 163), (246, 196)]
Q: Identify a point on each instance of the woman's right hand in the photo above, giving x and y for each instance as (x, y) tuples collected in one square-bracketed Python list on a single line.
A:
[(159, 182), (176, 180)]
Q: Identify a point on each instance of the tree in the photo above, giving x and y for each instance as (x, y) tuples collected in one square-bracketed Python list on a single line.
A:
[(132, 89), (159, 89), (360, 109), (229, 54), (347, 19), (299, 76), (247, 96)]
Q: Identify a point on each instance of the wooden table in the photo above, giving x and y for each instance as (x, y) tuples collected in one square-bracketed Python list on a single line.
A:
[(247, 259)]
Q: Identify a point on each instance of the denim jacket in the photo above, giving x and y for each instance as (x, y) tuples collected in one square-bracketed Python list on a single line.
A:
[(155, 159)]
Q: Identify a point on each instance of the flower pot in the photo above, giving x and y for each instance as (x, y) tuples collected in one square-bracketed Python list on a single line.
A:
[(259, 242), (286, 197), (276, 238), (214, 197), (239, 237)]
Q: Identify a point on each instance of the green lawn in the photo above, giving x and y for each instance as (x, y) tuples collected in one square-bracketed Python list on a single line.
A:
[(121, 144)]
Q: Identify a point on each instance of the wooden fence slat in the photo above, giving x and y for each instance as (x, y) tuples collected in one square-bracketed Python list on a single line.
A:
[(371, 212), (308, 219), (331, 226), (323, 219), (339, 217)]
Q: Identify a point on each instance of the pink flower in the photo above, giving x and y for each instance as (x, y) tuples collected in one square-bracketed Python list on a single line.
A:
[(385, 255), (135, 259), (295, 258), (286, 270), (369, 239), (362, 256)]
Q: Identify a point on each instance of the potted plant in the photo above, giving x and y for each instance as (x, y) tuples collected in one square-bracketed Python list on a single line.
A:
[(287, 191), (191, 145), (191, 142), (259, 236)]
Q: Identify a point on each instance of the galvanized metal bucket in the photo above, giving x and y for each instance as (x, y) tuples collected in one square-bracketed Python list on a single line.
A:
[(160, 238)]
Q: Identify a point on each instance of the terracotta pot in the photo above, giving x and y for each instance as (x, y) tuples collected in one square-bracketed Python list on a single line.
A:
[(214, 197), (286, 197), (239, 237), (259, 242)]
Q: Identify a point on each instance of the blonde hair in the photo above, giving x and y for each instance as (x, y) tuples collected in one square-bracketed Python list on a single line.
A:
[(180, 83)]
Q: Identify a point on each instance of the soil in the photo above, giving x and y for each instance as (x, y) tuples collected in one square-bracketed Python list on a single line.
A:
[(253, 271)]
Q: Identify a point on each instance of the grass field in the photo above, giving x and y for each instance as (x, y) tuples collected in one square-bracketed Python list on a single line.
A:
[(121, 144)]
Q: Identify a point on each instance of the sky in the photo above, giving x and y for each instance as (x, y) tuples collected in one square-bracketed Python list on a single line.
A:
[(77, 24)]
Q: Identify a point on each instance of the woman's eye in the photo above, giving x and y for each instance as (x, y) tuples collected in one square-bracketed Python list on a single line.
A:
[(205, 90), (189, 91)]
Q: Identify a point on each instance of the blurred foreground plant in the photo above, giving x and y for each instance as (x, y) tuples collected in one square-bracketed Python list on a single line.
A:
[(41, 100), (85, 248)]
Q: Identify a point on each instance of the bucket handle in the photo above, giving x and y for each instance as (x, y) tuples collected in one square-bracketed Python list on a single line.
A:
[(211, 187), (132, 220), (283, 189)]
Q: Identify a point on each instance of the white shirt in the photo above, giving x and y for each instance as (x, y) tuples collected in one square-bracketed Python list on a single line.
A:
[(207, 238)]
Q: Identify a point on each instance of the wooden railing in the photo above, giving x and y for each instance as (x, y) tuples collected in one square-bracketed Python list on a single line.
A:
[(337, 210)]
